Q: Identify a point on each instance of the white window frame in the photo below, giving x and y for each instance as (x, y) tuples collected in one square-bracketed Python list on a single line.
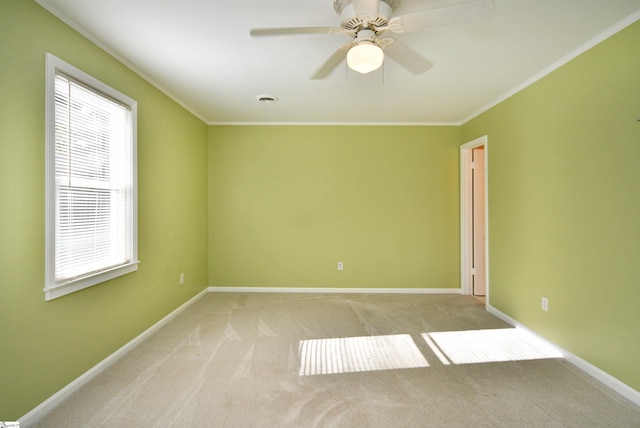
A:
[(53, 288)]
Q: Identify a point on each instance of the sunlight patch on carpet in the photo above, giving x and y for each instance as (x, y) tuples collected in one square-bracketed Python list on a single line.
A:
[(359, 354), (485, 346)]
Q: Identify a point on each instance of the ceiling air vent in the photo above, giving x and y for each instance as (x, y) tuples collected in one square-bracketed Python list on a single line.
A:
[(267, 99)]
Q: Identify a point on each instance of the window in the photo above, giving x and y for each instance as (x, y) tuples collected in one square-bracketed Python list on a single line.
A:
[(91, 226)]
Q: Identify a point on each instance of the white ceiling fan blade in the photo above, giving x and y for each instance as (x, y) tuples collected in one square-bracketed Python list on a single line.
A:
[(407, 57), (466, 11), (366, 8), (330, 64), (287, 31)]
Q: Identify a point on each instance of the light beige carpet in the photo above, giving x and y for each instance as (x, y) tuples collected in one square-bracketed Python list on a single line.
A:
[(303, 360)]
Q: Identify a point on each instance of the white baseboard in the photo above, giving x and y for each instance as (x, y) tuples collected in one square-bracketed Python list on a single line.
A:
[(618, 386), (56, 399), (335, 290)]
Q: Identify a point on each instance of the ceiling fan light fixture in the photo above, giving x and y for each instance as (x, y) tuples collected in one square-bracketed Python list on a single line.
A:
[(365, 57)]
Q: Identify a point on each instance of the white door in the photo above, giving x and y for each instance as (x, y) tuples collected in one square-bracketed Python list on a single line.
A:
[(478, 259)]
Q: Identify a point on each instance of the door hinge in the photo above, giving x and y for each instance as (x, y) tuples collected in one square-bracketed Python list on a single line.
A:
[(473, 165)]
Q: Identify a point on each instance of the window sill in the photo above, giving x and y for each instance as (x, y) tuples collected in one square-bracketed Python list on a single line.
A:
[(55, 291)]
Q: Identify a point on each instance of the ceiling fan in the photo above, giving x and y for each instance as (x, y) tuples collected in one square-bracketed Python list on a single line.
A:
[(367, 22)]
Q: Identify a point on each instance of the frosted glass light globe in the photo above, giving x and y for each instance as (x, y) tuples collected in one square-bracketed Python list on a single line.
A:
[(365, 57)]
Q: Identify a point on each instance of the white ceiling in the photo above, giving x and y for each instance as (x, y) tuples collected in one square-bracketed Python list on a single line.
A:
[(201, 54)]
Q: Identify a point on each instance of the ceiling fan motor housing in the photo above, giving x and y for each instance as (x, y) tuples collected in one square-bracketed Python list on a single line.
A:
[(350, 21)]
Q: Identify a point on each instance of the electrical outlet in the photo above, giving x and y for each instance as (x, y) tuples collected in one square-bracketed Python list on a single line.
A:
[(545, 304), (181, 278), (340, 266)]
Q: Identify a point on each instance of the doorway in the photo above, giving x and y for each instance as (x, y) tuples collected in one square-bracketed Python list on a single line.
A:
[(473, 216)]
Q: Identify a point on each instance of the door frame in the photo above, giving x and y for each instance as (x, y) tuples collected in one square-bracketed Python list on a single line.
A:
[(466, 215)]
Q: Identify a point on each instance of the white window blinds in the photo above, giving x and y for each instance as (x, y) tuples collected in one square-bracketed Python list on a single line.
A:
[(92, 152), (93, 185)]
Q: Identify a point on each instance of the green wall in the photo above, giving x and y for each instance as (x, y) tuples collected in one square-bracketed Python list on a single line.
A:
[(46, 345), (564, 204), (284, 204), (288, 202)]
